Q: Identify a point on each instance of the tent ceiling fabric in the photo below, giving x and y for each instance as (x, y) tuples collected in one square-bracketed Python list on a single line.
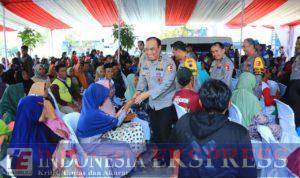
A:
[(72, 12), (142, 12), (286, 13), (62, 14), (219, 11), (256, 10), (179, 12), (6, 29), (16, 22), (104, 11), (32, 12)]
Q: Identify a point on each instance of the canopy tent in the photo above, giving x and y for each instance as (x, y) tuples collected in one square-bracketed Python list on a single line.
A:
[(96, 14), (62, 14)]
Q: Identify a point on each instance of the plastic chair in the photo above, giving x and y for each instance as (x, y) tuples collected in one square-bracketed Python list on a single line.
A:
[(179, 110), (5, 163), (282, 88), (266, 133), (269, 142), (71, 120), (235, 114), (286, 118), (57, 111)]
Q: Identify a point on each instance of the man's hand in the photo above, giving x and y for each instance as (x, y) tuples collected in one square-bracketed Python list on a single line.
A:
[(140, 98), (137, 93), (128, 105), (129, 117)]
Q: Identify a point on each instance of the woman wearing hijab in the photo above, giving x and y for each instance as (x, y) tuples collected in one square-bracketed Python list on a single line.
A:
[(12, 95), (244, 98), (30, 132), (100, 73), (40, 74), (138, 111), (94, 125)]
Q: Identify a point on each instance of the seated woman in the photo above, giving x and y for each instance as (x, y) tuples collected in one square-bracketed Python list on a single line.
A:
[(12, 95), (140, 110), (100, 73), (75, 84), (137, 110), (40, 74), (31, 132), (243, 97), (95, 130), (270, 92), (261, 119)]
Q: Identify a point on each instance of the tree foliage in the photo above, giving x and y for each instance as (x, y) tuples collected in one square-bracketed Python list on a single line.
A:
[(178, 32), (30, 37), (127, 37)]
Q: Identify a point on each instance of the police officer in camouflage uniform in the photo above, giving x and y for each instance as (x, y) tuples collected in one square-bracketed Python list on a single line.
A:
[(253, 64), (222, 66), (157, 82)]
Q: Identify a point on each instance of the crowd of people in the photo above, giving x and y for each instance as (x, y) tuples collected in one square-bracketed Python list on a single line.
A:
[(124, 102)]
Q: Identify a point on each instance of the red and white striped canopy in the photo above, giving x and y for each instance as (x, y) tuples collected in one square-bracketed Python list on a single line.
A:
[(63, 14)]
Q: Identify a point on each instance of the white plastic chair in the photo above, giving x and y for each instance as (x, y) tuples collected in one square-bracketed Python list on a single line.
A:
[(179, 110), (71, 120), (5, 163), (235, 114), (286, 118), (266, 133), (269, 142), (282, 88), (57, 111)]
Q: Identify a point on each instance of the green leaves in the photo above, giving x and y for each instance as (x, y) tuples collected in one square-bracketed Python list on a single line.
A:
[(30, 37), (127, 37)]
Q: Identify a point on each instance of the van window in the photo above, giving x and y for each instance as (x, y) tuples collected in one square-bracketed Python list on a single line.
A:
[(164, 48)]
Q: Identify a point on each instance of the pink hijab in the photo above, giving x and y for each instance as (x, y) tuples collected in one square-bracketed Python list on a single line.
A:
[(107, 106)]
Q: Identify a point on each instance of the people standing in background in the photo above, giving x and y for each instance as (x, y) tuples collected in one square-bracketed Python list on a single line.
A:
[(27, 61), (253, 64), (74, 58), (222, 67), (141, 46), (190, 52), (180, 54)]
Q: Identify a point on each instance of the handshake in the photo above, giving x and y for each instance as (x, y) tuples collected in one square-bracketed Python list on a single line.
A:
[(137, 99)]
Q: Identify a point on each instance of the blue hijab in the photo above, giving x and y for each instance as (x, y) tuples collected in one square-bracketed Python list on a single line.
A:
[(92, 120), (202, 74), (30, 133)]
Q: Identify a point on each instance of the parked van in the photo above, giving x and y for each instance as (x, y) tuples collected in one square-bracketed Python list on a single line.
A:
[(201, 45)]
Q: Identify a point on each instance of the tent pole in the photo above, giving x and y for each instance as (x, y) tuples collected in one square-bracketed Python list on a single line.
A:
[(242, 26), (4, 34), (51, 36), (119, 35)]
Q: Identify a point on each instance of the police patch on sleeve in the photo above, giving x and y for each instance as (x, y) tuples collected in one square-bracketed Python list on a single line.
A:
[(170, 68), (227, 67)]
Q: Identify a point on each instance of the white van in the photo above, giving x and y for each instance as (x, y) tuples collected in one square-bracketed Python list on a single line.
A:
[(201, 45)]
